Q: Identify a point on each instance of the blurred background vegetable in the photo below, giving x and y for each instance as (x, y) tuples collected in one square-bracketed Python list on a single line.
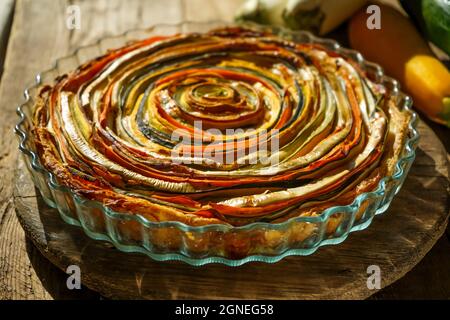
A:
[(406, 56), (433, 19), (318, 16)]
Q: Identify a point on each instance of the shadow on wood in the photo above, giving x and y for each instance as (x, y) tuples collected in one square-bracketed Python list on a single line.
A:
[(54, 279)]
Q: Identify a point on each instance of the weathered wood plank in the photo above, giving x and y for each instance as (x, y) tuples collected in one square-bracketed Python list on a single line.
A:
[(6, 13)]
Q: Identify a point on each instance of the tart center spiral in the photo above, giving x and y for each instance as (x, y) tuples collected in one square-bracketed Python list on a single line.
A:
[(232, 126)]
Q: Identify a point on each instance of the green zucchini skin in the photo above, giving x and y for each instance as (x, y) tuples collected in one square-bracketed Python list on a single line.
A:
[(433, 19)]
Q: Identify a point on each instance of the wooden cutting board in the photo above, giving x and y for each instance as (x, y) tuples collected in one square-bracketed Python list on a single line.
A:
[(395, 242)]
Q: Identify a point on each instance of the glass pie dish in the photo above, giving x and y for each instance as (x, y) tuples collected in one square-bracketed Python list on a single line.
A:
[(213, 243)]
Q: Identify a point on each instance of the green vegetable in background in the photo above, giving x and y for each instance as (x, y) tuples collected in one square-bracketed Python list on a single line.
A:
[(433, 19), (318, 16), (262, 11)]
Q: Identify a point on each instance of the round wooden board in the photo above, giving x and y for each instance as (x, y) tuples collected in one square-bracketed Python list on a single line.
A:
[(395, 241)]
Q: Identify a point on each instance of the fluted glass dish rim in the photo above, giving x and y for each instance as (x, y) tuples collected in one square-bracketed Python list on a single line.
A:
[(399, 172)]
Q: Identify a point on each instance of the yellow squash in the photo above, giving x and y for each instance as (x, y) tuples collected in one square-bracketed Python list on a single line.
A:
[(401, 51)]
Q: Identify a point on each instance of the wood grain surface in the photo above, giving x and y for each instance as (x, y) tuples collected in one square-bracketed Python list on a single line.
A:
[(6, 13), (39, 36)]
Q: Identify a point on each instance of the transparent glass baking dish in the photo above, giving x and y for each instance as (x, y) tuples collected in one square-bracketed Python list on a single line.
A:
[(232, 246)]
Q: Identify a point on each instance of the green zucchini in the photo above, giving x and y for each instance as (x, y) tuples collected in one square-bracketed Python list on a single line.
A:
[(433, 19)]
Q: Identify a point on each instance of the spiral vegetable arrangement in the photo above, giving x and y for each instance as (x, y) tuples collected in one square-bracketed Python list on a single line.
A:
[(230, 126)]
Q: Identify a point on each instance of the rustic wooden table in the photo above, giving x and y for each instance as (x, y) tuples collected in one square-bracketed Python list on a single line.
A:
[(38, 36)]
